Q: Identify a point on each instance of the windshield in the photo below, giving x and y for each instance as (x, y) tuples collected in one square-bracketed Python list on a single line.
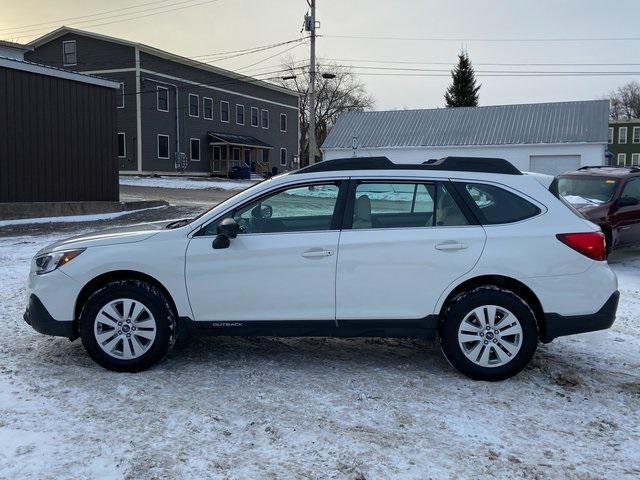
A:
[(581, 190)]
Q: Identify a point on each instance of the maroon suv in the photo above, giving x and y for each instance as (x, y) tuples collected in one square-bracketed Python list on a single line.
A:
[(609, 197)]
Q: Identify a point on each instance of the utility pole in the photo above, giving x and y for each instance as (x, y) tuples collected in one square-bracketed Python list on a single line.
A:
[(311, 28)]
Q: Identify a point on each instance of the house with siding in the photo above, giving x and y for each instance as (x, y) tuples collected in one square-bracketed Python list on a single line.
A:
[(549, 138), (624, 142), (172, 108)]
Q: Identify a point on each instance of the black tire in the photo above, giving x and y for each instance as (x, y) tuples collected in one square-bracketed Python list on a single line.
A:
[(464, 303), (153, 299)]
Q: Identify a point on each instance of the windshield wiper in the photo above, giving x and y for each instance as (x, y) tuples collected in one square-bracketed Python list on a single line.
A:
[(178, 223)]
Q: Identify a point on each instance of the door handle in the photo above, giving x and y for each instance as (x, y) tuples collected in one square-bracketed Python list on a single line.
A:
[(317, 253), (451, 245)]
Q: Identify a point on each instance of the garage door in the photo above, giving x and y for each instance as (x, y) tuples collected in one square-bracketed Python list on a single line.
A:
[(554, 164)]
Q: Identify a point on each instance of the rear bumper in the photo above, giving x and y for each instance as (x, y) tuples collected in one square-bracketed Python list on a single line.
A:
[(561, 325), (39, 318)]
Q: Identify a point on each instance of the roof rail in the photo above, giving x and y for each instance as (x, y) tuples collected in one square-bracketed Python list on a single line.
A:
[(630, 168), (455, 164)]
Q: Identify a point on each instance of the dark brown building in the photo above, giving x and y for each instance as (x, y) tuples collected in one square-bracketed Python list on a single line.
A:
[(58, 139)]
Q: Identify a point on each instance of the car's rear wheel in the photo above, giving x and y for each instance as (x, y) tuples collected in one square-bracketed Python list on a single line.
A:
[(488, 333), (127, 326)]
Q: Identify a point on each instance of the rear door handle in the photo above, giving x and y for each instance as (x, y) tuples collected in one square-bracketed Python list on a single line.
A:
[(450, 245), (317, 253)]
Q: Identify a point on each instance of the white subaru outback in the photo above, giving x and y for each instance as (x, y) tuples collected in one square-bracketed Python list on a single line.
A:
[(466, 249)]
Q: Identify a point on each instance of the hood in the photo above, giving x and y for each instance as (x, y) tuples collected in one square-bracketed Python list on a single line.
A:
[(110, 236)]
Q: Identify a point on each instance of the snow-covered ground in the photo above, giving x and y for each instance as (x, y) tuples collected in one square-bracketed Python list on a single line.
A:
[(187, 183), (315, 408), (75, 218)]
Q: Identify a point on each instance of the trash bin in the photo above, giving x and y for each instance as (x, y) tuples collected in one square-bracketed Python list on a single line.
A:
[(246, 173), (235, 172)]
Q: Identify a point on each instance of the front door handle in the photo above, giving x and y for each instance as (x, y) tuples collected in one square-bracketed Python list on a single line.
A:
[(317, 253), (451, 245)]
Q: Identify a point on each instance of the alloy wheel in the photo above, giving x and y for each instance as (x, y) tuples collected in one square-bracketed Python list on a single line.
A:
[(124, 328), (490, 336)]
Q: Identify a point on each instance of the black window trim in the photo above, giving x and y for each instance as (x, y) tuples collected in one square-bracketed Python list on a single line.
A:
[(336, 220), (459, 185), (354, 182)]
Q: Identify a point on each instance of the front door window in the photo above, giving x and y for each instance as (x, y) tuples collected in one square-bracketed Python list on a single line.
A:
[(306, 208)]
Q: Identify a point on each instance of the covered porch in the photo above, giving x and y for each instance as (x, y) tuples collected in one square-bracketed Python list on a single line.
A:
[(230, 150)]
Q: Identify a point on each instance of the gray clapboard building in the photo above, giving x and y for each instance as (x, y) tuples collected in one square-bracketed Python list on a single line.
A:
[(170, 104)]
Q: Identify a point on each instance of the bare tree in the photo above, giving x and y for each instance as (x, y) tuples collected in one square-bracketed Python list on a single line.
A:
[(343, 93), (625, 102)]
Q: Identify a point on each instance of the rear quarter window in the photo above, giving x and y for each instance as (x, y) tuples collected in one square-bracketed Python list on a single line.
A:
[(495, 205)]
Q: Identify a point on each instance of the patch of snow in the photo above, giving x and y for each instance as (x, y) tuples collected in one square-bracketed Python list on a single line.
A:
[(187, 183), (578, 200), (315, 408), (74, 218)]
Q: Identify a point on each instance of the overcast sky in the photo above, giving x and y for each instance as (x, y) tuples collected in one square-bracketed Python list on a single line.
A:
[(214, 26)]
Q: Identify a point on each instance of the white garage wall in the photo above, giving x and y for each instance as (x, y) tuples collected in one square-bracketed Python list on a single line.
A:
[(519, 155)]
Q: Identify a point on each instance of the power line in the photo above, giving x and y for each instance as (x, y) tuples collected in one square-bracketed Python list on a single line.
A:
[(479, 72), (62, 20), (462, 39), (510, 74), (136, 17), (271, 56), (504, 64)]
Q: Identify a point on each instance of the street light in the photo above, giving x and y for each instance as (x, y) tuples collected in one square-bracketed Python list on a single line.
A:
[(290, 77), (328, 76)]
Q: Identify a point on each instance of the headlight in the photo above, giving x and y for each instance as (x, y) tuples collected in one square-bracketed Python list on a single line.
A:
[(50, 261)]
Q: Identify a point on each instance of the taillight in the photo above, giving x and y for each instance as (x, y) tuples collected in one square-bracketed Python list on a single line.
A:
[(590, 244)]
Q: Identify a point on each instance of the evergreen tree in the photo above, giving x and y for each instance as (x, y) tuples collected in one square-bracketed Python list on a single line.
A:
[(463, 92)]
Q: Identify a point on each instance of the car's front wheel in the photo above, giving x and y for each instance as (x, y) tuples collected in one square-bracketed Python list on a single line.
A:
[(488, 333), (127, 326)]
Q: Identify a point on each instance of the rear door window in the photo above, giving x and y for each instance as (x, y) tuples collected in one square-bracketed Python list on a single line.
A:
[(404, 205), (496, 205)]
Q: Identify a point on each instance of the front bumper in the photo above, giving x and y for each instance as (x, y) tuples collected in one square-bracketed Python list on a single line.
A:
[(39, 318), (557, 325)]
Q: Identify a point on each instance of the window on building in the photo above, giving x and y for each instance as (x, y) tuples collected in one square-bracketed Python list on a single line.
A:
[(496, 205), (636, 134), (235, 154), (195, 149), (264, 119), (162, 99), (622, 135), (254, 117), (260, 156), (635, 159), (122, 145), (283, 122), (207, 108), (69, 56), (622, 158), (163, 146), (120, 100), (610, 140), (240, 114), (194, 105), (283, 157), (224, 111)]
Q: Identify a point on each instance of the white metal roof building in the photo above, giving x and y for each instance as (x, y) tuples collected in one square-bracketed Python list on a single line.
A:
[(546, 137)]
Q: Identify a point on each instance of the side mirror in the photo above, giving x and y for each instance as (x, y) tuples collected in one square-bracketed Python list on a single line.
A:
[(227, 230), (627, 202)]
